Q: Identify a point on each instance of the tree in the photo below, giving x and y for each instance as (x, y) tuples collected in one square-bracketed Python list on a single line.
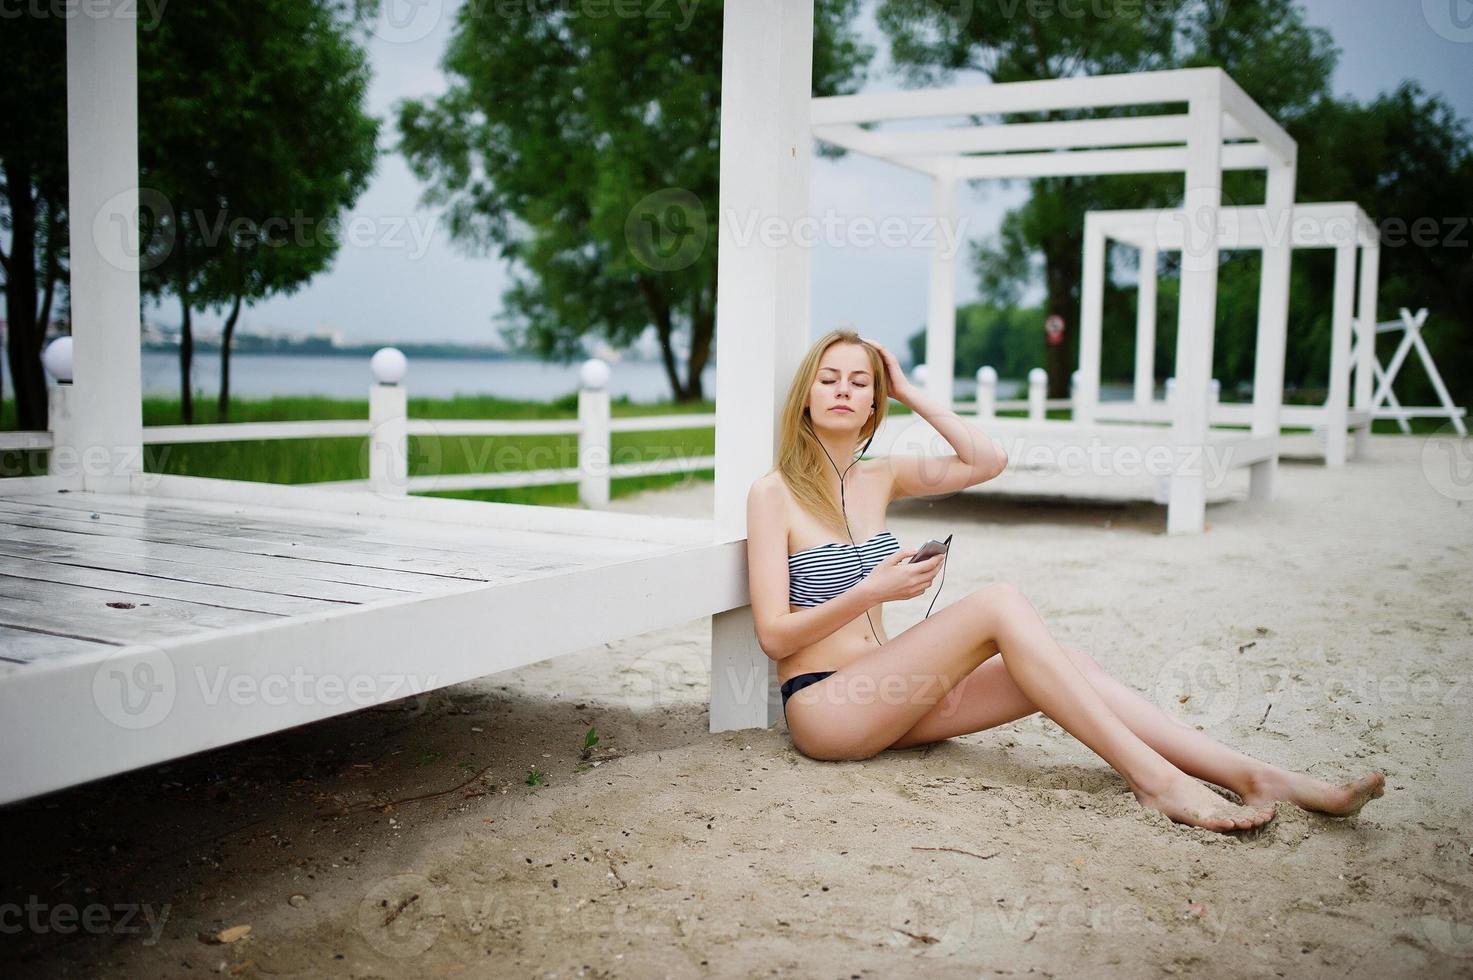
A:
[(33, 193), (585, 148), (253, 141), (1264, 44)]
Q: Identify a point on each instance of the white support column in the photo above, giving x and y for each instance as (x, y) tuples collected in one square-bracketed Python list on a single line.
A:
[(1273, 323), (102, 156), (1365, 322), (1145, 328), (1091, 323), (1342, 318), (762, 303), (388, 439), (1186, 512), (941, 291)]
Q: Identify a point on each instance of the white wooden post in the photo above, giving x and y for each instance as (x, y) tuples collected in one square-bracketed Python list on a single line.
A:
[(388, 424), (941, 291), (1273, 321), (1091, 322), (1074, 391), (1187, 511), (1037, 393), (1342, 316), (103, 197), (986, 392), (1145, 327), (62, 460), (1365, 322), (1214, 392), (594, 446), (762, 302)]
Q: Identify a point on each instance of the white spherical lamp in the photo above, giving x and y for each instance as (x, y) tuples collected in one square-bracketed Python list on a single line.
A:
[(389, 365), (594, 374), (57, 359)]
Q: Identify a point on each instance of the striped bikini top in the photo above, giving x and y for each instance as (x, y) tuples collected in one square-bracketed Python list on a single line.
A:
[(817, 574)]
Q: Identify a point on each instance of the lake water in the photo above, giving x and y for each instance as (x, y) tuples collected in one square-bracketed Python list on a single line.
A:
[(265, 375)]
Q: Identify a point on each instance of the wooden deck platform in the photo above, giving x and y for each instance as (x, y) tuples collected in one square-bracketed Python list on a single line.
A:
[(140, 627)]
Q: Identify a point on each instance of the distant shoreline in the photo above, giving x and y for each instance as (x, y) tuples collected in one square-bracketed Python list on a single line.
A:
[(324, 349)]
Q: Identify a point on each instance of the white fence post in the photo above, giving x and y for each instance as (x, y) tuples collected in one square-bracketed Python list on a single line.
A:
[(1037, 392), (986, 392), (1170, 391), (388, 429), (65, 456), (593, 434), (1073, 391)]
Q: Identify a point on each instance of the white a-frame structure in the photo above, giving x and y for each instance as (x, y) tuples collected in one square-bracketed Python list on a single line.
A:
[(1221, 129)]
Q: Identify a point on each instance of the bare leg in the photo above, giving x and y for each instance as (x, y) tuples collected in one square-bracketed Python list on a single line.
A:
[(921, 659), (990, 697)]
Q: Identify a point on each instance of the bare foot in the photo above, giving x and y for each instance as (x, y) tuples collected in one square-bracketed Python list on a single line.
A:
[(1187, 801), (1314, 794)]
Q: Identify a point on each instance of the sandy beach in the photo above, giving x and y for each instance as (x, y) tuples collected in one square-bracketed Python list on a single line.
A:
[(1328, 631)]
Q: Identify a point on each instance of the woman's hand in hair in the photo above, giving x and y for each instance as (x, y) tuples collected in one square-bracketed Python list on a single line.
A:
[(900, 386)]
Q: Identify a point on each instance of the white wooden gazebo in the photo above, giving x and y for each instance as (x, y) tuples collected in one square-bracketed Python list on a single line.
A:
[(1221, 129), (1341, 226), (236, 609)]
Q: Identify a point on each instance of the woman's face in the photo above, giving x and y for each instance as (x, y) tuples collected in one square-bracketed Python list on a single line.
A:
[(844, 381)]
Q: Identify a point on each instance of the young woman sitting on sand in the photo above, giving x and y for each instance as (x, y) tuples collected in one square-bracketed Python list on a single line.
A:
[(856, 692)]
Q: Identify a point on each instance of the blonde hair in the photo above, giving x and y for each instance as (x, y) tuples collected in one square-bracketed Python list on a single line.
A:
[(801, 460)]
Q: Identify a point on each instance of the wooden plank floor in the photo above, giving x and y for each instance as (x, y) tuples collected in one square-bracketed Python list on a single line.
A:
[(82, 572)]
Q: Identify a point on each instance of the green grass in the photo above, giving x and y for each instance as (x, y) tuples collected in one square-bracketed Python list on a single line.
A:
[(317, 460)]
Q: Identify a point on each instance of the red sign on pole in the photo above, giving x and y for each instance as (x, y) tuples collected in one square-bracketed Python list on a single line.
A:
[(1053, 329)]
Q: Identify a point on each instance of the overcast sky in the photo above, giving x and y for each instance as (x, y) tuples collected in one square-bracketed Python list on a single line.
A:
[(402, 279)]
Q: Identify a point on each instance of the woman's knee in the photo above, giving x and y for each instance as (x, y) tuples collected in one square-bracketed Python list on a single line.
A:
[(997, 597)]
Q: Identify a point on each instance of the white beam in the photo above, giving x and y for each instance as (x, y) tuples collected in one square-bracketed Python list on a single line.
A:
[(1342, 317), (1273, 324), (941, 294), (1187, 510), (1145, 325), (1095, 91), (102, 157), (762, 302), (1091, 323), (1083, 163), (998, 137), (1260, 124)]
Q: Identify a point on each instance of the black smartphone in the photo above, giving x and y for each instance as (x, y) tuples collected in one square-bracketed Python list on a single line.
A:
[(931, 548)]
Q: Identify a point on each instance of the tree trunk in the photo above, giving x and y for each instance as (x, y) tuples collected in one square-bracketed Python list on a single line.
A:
[(186, 330), (1062, 264), (660, 314), (24, 339), (702, 330), (224, 406)]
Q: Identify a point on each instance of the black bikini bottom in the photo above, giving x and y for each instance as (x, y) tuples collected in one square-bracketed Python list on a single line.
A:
[(793, 685)]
